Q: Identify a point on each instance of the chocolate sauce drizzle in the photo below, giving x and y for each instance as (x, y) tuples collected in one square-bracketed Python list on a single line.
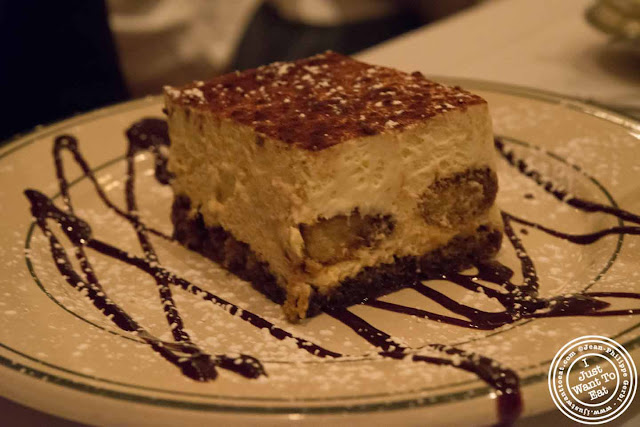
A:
[(520, 301)]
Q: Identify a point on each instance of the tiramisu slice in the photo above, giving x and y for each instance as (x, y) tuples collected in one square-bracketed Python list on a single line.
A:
[(326, 180)]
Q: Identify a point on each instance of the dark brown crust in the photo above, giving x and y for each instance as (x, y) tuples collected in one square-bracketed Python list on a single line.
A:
[(220, 246), (318, 102), (373, 282)]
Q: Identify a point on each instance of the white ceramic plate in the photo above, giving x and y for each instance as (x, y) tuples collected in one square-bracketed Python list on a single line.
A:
[(59, 354)]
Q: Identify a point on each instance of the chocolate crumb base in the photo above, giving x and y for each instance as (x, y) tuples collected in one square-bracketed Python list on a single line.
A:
[(220, 246), (372, 282)]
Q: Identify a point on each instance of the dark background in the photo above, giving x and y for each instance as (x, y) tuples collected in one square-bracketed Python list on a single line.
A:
[(59, 57)]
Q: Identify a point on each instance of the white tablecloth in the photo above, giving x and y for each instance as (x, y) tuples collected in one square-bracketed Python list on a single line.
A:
[(545, 44)]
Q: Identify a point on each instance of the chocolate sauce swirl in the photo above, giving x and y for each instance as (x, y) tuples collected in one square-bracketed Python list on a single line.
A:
[(520, 301)]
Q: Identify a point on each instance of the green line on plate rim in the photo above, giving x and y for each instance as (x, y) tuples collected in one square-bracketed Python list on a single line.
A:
[(115, 160), (547, 97)]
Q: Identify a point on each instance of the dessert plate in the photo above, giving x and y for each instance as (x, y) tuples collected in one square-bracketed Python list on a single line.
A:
[(569, 191)]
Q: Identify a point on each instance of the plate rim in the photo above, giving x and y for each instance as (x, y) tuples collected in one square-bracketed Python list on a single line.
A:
[(19, 141)]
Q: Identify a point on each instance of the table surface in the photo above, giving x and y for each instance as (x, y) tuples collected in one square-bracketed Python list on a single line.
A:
[(545, 44)]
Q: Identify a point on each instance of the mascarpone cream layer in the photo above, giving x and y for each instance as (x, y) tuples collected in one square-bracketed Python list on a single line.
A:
[(261, 189)]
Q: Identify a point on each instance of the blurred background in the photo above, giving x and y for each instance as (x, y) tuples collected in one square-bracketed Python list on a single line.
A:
[(63, 58)]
